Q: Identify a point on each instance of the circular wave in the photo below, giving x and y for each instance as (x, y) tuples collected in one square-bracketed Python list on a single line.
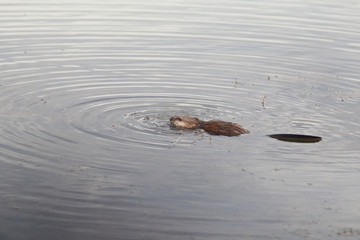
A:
[(86, 94), (127, 112)]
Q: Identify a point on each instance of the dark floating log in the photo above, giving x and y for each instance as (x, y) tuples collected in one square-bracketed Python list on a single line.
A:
[(296, 138)]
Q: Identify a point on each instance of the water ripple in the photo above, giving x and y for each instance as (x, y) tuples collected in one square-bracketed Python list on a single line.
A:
[(87, 90)]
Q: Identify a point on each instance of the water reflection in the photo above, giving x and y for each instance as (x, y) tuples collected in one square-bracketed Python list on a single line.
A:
[(87, 90)]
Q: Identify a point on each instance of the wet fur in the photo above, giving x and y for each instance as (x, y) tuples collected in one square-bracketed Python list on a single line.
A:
[(186, 122), (224, 128), (213, 127)]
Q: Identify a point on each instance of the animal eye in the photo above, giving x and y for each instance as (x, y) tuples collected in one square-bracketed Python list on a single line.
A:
[(179, 119)]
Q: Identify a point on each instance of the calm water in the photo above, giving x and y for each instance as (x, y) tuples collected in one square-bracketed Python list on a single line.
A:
[(87, 88)]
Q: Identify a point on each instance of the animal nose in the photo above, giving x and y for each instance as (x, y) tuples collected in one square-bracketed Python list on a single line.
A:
[(175, 118)]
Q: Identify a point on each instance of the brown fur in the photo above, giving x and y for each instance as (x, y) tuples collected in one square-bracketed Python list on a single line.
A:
[(186, 122), (213, 127)]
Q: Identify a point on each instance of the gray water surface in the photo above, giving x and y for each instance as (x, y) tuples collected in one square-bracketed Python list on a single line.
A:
[(87, 89)]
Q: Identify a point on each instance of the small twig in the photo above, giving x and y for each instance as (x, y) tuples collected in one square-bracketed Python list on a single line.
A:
[(263, 102)]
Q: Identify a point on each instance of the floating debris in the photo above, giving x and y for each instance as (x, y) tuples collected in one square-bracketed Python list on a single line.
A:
[(263, 102), (349, 232), (236, 83), (16, 207)]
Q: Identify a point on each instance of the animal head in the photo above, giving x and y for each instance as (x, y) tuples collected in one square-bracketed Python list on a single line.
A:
[(185, 122)]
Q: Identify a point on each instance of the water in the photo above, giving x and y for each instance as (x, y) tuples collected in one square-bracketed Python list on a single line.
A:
[(87, 90)]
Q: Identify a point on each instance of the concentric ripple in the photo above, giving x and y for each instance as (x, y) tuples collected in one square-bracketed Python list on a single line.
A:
[(87, 89), (115, 111)]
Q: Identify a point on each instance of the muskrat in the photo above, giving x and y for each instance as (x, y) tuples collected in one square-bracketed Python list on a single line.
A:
[(212, 127), (215, 127)]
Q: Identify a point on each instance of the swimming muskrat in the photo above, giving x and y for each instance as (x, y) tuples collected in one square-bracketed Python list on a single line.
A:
[(213, 127)]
